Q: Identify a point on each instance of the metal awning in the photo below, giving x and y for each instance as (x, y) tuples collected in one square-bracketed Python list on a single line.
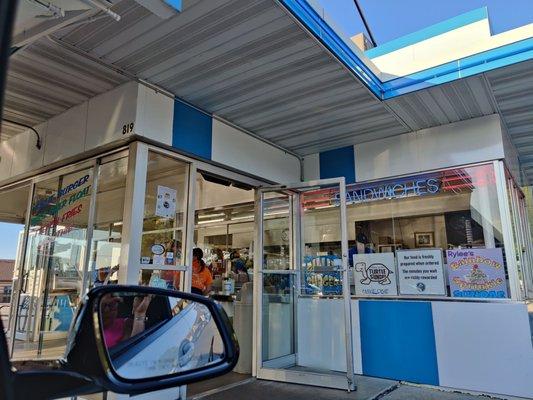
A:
[(247, 61), (255, 64)]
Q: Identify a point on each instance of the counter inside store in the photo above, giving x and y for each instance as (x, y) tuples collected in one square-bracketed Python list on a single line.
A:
[(232, 288)]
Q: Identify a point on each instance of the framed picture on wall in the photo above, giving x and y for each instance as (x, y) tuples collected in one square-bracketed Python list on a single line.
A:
[(424, 239)]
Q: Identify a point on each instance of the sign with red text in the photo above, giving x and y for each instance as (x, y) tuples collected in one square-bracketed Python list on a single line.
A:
[(477, 273)]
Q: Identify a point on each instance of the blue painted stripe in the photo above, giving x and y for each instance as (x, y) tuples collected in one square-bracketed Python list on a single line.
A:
[(468, 66), (398, 340), (192, 130), (429, 32), (323, 32), (338, 162)]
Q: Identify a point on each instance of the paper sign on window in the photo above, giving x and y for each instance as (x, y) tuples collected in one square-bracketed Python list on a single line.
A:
[(375, 274), (166, 202), (420, 272), (477, 273)]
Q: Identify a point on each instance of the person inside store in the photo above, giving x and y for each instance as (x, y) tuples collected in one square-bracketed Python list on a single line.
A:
[(238, 266), (217, 263), (362, 246), (116, 328), (201, 276)]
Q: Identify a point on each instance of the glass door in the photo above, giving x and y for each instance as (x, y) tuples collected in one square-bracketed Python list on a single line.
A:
[(302, 294), (54, 259)]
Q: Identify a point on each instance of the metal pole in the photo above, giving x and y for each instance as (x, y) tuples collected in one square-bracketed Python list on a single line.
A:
[(346, 289), (365, 23), (46, 273), (507, 230), (258, 267), (13, 322), (90, 229), (191, 204)]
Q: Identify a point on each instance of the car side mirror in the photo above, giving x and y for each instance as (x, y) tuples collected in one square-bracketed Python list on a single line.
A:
[(136, 339)]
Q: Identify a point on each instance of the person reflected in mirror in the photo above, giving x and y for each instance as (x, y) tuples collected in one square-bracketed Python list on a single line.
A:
[(201, 277), (117, 329)]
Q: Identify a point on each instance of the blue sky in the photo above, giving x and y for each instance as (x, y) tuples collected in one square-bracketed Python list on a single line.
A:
[(8, 240), (390, 19)]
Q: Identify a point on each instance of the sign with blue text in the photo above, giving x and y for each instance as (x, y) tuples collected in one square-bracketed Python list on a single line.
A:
[(417, 186)]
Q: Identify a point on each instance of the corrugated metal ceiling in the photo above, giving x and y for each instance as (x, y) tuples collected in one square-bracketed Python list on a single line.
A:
[(247, 61), (513, 90), (44, 80), (507, 91), (444, 104)]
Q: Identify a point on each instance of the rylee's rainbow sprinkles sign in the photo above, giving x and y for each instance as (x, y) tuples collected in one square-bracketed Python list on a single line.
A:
[(477, 273)]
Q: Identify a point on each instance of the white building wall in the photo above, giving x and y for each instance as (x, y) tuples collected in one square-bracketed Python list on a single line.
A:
[(155, 115), (511, 157), (96, 122), (465, 142), (311, 167), (66, 134), (484, 347), (239, 150), (449, 46), (26, 156)]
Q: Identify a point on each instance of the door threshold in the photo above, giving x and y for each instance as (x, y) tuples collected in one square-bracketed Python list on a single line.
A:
[(329, 380)]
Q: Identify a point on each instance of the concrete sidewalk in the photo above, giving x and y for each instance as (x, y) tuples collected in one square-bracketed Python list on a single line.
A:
[(368, 389)]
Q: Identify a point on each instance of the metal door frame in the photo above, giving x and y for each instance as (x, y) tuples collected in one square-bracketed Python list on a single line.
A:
[(307, 378)]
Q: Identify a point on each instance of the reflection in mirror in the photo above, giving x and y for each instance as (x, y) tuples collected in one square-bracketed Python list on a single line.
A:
[(149, 335)]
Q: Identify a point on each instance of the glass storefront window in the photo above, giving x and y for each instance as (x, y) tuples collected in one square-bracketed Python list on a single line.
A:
[(13, 209), (107, 231), (322, 258), (53, 272), (224, 231), (277, 232), (163, 236), (436, 234)]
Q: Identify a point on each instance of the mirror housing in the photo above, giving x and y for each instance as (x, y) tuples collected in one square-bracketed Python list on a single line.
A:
[(87, 354)]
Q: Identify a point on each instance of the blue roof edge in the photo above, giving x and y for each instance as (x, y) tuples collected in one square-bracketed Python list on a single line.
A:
[(307, 15), (429, 32), (472, 65), (475, 64)]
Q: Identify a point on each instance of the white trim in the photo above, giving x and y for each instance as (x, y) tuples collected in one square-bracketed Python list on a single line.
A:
[(13, 312), (90, 228), (280, 362), (133, 207), (341, 380), (507, 230), (190, 207), (346, 288), (333, 381)]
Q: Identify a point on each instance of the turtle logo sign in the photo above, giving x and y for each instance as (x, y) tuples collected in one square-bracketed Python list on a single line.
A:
[(374, 274)]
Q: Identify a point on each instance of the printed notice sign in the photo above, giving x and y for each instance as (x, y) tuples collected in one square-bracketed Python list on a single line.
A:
[(166, 202), (476, 273), (375, 274), (420, 272)]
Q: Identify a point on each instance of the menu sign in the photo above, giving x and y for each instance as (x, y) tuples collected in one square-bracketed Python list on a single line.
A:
[(420, 272), (375, 274), (477, 273)]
